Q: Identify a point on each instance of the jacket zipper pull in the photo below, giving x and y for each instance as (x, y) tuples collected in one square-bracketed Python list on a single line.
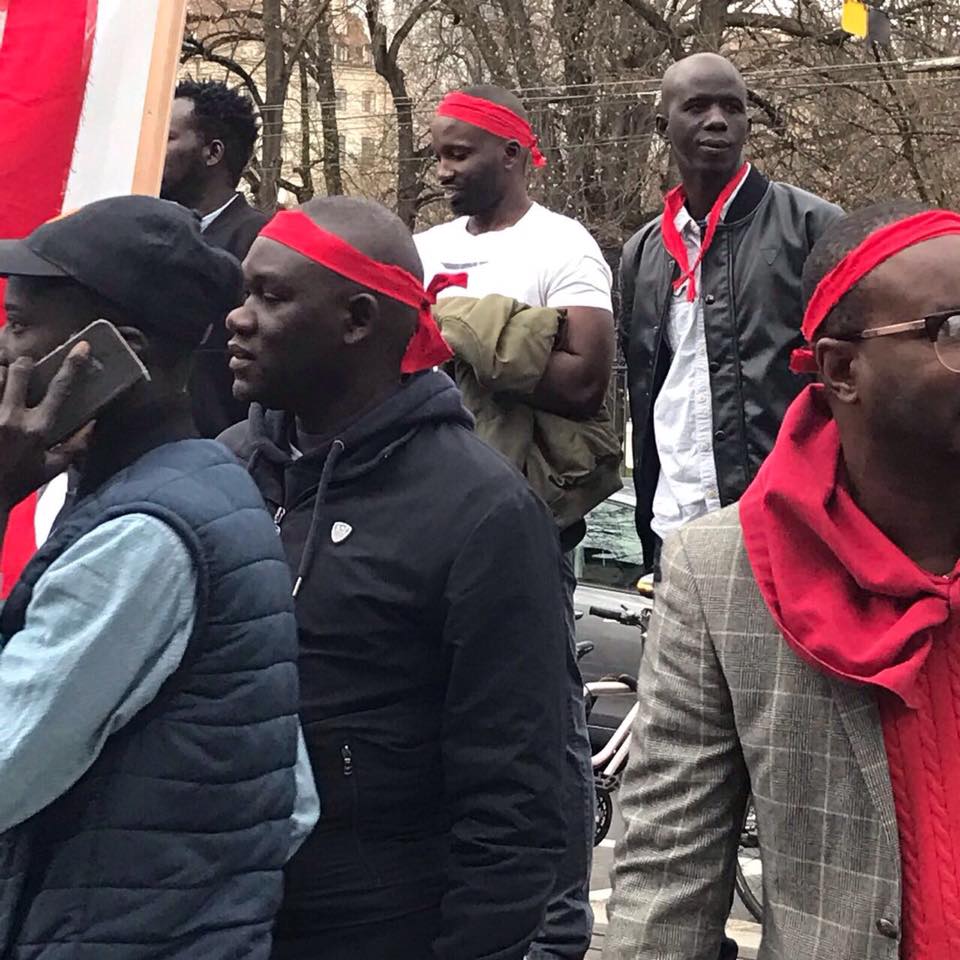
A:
[(278, 517), (347, 760)]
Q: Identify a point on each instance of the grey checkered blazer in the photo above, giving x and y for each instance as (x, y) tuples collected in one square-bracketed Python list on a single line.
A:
[(727, 707)]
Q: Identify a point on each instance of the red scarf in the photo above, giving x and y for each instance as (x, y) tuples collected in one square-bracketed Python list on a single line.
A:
[(846, 599), (427, 348), (495, 119), (672, 204)]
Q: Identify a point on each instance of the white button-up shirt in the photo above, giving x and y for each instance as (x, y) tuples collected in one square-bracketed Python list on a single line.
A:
[(683, 411)]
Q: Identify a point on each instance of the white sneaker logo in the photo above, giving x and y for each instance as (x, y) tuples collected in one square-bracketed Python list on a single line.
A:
[(340, 531)]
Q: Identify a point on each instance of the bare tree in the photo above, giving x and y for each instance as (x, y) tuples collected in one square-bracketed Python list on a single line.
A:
[(386, 57)]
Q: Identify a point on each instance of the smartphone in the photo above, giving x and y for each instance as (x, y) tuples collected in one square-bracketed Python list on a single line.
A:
[(112, 368)]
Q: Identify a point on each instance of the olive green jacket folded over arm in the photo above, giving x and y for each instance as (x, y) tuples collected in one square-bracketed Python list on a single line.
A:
[(501, 351)]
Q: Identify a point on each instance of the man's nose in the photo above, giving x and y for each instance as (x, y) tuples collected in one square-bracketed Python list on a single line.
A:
[(444, 171), (716, 118), (240, 320)]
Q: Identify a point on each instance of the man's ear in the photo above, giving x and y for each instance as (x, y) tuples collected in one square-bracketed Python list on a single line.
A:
[(362, 314), (837, 361), (215, 151), (513, 154), (661, 124)]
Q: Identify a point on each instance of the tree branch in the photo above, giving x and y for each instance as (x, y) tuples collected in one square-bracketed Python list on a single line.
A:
[(423, 7), (787, 25), (298, 45), (192, 47), (655, 20)]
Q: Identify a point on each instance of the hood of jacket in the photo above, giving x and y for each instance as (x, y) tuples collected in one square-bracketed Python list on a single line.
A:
[(846, 598)]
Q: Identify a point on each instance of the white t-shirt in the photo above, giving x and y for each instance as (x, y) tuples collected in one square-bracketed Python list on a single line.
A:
[(544, 260)]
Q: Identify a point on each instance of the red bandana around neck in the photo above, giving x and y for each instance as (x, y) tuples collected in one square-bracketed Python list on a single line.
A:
[(874, 250), (495, 119), (846, 598), (672, 203), (427, 348)]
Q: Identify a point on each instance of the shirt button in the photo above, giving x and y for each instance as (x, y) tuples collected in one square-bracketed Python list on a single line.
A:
[(714, 366), (720, 435), (888, 928), (709, 299)]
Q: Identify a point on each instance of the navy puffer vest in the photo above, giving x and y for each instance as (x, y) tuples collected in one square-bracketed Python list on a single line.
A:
[(172, 845)]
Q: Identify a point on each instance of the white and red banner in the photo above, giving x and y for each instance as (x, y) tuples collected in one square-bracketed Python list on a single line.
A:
[(85, 92)]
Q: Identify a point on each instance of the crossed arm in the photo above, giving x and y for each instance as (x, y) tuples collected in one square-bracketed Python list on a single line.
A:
[(578, 372)]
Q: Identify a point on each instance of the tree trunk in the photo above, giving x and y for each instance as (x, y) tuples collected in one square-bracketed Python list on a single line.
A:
[(327, 94), (409, 161), (275, 89), (306, 160)]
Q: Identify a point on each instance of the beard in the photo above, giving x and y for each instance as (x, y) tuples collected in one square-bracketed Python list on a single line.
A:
[(184, 186), (478, 195)]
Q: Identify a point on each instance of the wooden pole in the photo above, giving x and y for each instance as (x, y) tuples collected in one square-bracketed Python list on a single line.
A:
[(161, 82)]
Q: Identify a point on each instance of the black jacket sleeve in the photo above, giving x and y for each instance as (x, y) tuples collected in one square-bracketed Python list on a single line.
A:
[(819, 215), (503, 732), (628, 282)]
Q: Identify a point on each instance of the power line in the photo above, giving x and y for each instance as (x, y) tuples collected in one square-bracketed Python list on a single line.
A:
[(653, 83), (423, 112)]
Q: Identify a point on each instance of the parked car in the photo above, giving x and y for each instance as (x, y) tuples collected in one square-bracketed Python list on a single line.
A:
[(608, 563)]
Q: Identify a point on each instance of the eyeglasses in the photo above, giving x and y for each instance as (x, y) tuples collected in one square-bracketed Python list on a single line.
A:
[(942, 330)]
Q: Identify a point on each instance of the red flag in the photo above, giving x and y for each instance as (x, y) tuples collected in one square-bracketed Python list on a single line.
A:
[(44, 58)]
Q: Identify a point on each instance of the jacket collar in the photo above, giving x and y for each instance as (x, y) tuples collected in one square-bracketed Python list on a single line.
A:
[(748, 198), (155, 426)]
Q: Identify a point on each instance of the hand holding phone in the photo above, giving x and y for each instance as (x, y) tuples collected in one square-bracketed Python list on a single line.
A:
[(27, 462), (111, 369)]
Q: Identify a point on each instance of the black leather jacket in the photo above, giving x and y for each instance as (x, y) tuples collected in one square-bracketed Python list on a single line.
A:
[(752, 308)]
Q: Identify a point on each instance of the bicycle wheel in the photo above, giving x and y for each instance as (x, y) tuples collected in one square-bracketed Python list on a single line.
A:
[(604, 815), (749, 876)]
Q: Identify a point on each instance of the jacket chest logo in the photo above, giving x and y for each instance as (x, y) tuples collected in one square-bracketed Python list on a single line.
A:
[(340, 531)]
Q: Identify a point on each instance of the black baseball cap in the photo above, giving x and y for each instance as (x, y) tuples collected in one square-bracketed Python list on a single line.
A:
[(145, 255)]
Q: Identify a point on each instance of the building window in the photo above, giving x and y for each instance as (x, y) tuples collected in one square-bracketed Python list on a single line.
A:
[(342, 52), (368, 101), (341, 99), (367, 151)]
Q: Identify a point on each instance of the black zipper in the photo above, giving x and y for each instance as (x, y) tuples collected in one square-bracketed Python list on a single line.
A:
[(347, 760)]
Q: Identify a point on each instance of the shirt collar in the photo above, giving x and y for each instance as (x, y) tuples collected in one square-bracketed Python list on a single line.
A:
[(210, 217), (683, 218)]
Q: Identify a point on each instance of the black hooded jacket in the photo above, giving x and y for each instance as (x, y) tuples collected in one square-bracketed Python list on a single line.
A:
[(432, 671)]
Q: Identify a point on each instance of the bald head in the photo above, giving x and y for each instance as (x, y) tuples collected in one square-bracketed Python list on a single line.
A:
[(369, 227), (482, 173), (703, 113), (310, 340), (384, 237), (697, 69), (498, 95)]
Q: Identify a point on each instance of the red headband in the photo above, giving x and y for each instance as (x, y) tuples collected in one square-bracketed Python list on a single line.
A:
[(877, 247), (427, 348), (493, 118)]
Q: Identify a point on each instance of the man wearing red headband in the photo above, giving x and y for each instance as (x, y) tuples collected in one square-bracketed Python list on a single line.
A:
[(426, 577), (507, 244), (711, 306), (805, 645)]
